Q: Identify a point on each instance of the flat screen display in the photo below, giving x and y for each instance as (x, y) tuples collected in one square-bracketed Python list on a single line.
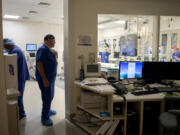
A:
[(130, 70), (161, 71), (31, 47)]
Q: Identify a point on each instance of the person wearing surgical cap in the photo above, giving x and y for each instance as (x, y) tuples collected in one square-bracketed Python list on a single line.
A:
[(23, 73)]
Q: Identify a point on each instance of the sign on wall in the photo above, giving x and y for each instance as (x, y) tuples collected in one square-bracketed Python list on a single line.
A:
[(85, 40)]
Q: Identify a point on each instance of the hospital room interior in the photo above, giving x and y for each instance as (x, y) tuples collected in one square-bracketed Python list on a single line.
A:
[(116, 69)]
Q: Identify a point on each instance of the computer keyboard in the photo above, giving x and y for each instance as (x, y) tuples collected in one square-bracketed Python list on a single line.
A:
[(144, 92)]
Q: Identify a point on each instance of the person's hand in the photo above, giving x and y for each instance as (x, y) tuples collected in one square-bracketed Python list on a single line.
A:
[(175, 57), (55, 53), (46, 83)]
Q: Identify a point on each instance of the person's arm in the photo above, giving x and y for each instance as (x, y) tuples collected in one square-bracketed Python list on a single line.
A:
[(178, 59), (42, 74)]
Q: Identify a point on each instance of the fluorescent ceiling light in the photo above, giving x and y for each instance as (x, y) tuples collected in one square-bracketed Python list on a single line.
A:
[(100, 26), (11, 16), (120, 22)]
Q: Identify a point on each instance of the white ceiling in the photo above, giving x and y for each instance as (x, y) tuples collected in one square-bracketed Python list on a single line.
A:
[(110, 21), (47, 14)]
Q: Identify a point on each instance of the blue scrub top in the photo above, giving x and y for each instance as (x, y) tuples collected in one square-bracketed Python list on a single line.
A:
[(45, 55), (177, 55), (23, 73), (104, 57)]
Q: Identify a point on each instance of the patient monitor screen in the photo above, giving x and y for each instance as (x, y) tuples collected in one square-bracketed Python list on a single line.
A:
[(31, 47), (130, 70)]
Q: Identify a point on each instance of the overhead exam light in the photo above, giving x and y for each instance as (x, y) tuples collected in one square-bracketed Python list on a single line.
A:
[(11, 16)]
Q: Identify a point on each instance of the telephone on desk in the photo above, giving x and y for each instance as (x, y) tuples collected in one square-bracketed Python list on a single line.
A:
[(120, 88)]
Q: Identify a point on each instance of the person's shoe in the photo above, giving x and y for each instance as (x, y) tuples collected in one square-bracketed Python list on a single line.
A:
[(47, 122), (52, 112)]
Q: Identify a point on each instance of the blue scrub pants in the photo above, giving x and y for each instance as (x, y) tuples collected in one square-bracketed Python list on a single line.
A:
[(21, 86), (47, 95)]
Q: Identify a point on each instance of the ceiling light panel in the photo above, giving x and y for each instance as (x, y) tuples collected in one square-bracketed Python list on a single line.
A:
[(11, 17), (101, 26)]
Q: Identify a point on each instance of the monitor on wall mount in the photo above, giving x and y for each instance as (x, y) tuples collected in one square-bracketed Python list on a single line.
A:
[(31, 47)]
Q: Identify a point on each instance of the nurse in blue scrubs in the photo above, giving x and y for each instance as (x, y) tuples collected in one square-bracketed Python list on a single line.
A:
[(46, 69), (176, 55), (23, 73)]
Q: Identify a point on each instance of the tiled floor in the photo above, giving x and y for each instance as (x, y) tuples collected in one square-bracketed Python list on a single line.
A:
[(32, 103)]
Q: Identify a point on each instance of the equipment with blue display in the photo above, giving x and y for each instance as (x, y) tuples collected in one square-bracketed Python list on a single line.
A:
[(31, 47), (130, 70)]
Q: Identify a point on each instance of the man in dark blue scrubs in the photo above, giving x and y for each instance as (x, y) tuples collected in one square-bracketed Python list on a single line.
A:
[(23, 73), (46, 69)]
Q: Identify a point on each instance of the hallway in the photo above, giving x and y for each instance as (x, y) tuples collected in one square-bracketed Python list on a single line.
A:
[(32, 103)]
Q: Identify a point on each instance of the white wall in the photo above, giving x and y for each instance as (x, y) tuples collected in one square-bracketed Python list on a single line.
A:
[(31, 32), (167, 24)]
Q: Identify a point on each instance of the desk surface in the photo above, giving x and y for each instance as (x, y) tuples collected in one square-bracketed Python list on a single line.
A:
[(130, 97), (92, 88)]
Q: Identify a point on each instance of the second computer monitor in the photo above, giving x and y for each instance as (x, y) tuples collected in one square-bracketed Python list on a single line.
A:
[(130, 70)]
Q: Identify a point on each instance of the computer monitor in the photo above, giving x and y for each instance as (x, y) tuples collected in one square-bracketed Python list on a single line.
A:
[(31, 47), (32, 54), (157, 71), (130, 70), (92, 70)]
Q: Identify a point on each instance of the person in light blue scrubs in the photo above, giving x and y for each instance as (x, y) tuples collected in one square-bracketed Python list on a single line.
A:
[(176, 55), (23, 73), (46, 69)]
